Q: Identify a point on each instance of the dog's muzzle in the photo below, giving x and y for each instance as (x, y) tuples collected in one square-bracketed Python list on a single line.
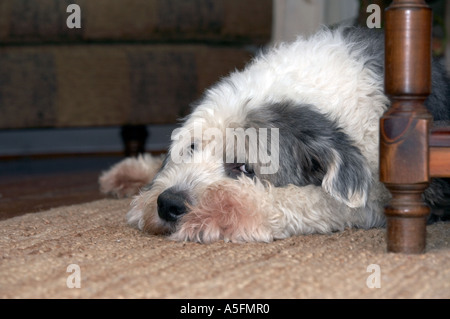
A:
[(172, 204)]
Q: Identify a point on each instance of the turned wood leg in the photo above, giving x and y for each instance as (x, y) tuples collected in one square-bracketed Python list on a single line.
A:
[(134, 138), (404, 170), (404, 128)]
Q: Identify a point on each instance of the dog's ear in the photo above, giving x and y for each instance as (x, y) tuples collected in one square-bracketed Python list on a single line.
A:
[(314, 150), (348, 177), (326, 158)]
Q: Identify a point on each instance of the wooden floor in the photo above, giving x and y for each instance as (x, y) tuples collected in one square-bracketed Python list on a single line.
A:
[(28, 186)]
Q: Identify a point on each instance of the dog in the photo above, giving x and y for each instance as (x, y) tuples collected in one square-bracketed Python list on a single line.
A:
[(287, 146)]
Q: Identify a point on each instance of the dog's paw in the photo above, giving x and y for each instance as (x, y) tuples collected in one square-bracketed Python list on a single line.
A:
[(135, 217), (226, 213), (126, 177)]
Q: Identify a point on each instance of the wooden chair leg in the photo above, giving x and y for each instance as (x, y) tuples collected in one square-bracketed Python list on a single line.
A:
[(404, 128), (134, 138)]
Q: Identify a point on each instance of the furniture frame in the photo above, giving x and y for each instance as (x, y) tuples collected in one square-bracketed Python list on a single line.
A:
[(411, 150)]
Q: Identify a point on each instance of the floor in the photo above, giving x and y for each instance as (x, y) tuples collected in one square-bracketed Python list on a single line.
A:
[(35, 184)]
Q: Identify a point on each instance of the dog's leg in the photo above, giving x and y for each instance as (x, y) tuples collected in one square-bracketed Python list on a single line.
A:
[(309, 210), (242, 211), (128, 176)]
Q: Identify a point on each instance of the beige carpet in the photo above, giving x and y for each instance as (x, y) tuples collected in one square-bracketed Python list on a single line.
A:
[(117, 261)]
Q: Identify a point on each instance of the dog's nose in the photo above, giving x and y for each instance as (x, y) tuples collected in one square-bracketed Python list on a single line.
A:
[(171, 205)]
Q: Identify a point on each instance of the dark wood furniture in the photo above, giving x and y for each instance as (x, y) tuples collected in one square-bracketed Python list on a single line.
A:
[(411, 150)]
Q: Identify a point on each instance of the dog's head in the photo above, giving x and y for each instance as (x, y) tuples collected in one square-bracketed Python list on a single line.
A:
[(281, 143)]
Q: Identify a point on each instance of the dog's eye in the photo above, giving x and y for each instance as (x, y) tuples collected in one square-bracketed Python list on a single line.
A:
[(234, 170), (244, 168), (193, 147)]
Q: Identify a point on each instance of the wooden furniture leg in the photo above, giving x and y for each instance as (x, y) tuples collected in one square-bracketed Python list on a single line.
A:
[(134, 138), (405, 127)]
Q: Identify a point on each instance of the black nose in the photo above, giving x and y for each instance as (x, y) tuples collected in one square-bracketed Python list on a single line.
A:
[(171, 205)]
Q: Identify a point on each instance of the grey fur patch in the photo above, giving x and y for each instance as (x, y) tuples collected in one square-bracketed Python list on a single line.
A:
[(309, 143), (368, 44)]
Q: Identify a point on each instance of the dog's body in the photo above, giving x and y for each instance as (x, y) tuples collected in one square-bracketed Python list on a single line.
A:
[(316, 172)]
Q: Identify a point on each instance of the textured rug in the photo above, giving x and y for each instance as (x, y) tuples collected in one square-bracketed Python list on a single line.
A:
[(90, 245)]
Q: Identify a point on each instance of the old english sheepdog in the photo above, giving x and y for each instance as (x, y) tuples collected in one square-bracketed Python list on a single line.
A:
[(287, 146)]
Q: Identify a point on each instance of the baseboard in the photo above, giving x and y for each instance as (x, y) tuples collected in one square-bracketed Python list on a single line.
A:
[(68, 141)]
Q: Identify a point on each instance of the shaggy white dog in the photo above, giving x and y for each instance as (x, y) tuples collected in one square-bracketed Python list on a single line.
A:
[(287, 146)]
